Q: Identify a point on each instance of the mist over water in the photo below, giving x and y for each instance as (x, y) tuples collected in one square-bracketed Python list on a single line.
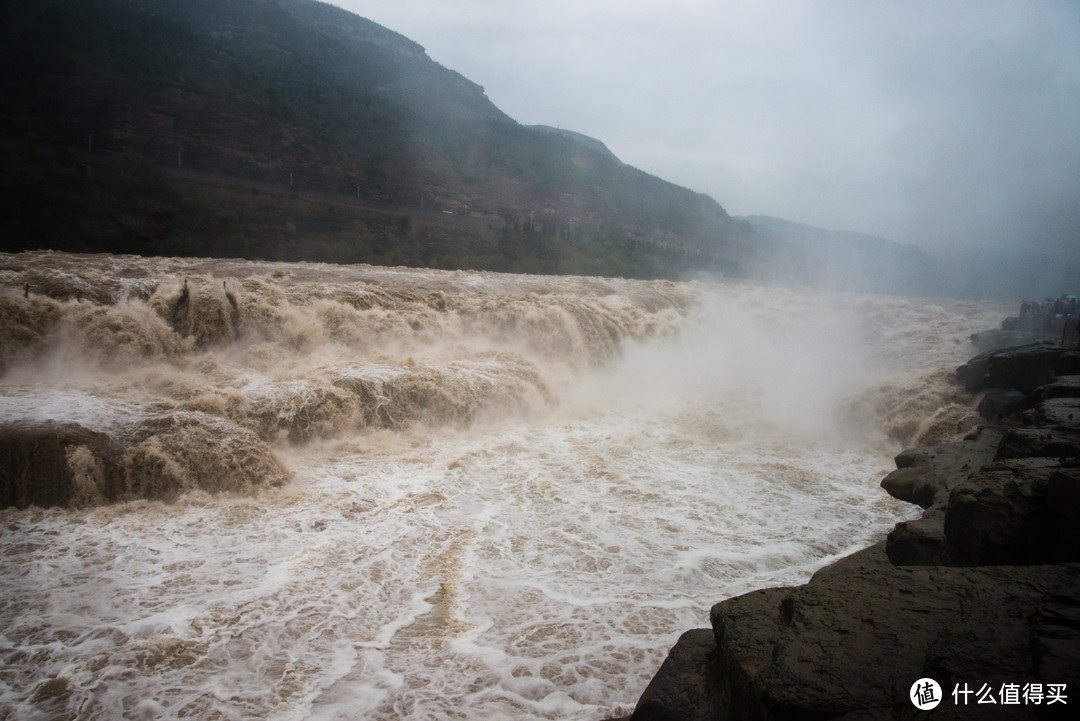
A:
[(351, 492)]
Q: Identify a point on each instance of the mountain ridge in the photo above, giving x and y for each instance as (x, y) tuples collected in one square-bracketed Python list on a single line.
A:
[(798, 253), (586, 141), (296, 130), (310, 98)]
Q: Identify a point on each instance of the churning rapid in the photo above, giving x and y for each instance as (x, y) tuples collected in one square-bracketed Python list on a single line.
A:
[(243, 490)]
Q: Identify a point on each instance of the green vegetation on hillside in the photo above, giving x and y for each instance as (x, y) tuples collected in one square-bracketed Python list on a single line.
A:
[(292, 129)]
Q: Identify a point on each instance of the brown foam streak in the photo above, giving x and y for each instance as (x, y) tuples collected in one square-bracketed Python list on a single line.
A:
[(925, 409), (225, 367), (25, 324)]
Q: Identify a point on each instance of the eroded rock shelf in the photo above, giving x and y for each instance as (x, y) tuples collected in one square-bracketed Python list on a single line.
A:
[(981, 593)]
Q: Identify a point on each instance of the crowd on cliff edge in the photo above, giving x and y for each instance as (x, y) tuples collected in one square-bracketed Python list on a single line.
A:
[(1054, 317)]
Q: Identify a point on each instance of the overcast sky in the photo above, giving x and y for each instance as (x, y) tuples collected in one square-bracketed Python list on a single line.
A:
[(924, 121)]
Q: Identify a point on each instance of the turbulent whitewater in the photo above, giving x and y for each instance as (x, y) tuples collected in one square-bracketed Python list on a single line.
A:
[(240, 490)]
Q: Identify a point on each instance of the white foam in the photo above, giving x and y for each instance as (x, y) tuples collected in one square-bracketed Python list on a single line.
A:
[(22, 404), (534, 567)]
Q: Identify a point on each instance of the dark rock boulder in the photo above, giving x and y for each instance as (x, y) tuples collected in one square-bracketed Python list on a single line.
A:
[(923, 456), (1061, 413), (851, 643), (997, 405), (1006, 524), (920, 542), (920, 475), (1063, 509), (1063, 386), (1056, 631), (1023, 369), (998, 338), (689, 685), (914, 484), (983, 589), (1067, 364), (58, 464), (974, 373), (926, 475), (1039, 442)]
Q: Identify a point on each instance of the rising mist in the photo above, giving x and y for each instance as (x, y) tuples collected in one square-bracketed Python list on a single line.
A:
[(298, 490)]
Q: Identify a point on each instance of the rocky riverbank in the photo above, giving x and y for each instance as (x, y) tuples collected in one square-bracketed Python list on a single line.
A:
[(981, 594)]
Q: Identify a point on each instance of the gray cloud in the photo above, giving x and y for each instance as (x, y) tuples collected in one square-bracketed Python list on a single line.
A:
[(938, 122)]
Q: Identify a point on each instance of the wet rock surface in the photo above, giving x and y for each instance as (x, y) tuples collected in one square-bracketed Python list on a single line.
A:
[(981, 594), (49, 463), (55, 464)]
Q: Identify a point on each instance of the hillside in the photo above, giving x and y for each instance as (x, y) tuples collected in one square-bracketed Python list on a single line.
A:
[(799, 254), (292, 129), (841, 260)]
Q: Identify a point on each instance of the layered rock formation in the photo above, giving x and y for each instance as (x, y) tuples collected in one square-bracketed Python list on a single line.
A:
[(981, 594), (49, 463)]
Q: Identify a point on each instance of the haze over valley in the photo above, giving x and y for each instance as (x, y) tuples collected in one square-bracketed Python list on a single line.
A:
[(295, 130), (342, 378)]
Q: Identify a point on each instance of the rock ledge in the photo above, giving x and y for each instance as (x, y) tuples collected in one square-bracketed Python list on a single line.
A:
[(982, 593)]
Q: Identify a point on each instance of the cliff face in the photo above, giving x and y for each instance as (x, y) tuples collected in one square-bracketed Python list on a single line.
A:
[(982, 594)]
